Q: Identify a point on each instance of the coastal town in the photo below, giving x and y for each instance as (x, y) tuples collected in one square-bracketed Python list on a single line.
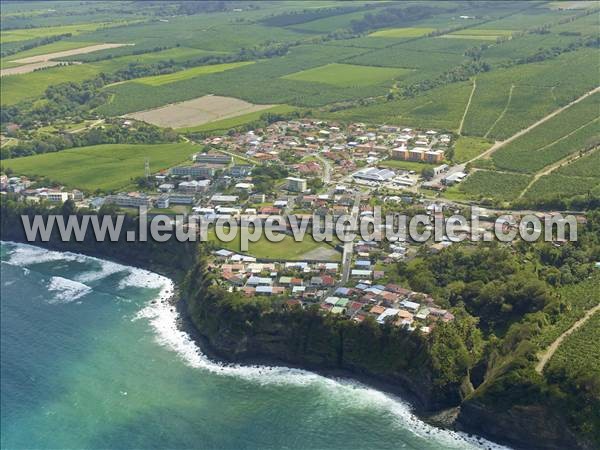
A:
[(305, 168)]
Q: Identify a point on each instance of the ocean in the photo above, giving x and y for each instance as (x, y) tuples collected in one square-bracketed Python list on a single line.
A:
[(92, 358)]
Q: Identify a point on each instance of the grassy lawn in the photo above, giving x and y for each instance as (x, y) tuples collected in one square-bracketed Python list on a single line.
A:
[(159, 80), (467, 148), (287, 249), (402, 32), (105, 167), (232, 122), (348, 75), (406, 165)]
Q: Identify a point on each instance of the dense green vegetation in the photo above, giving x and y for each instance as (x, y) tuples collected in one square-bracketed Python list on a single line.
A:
[(111, 132), (574, 129), (348, 75), (501, 186), (562, 187), (578, 356), (467, 148), (101, 167)]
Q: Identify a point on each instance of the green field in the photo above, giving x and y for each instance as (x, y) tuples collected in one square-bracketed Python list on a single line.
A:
[(561, 186), (439, 108), (288, 249), (499, 186), (105, 167), (482, 34), (578, 353), (467, 148), (58, 46), (580, 297), (572, 130), (232, 122), (586, 166), (406, 165), (159, 80), (402, 32), (348, 75), (32, 33)]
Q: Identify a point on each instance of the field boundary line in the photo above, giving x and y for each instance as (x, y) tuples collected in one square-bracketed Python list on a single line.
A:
[(462, 121), (510, 92), (500, 144), (549, 352)]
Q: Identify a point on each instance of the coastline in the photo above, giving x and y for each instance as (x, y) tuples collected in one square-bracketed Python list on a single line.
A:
[(170, 298)]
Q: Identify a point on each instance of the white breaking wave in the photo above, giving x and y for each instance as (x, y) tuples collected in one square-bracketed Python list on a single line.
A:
[(26, 255), (164, 320), (107, 268), (66, 290)]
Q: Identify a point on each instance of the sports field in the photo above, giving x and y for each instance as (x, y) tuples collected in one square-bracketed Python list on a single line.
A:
[(288, 249)]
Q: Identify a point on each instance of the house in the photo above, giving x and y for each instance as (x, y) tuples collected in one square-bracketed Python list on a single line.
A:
[(259, 281), (377, 309), (359, 273), (411, 306)]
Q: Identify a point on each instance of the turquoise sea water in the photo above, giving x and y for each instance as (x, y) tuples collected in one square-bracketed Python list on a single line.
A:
[(92, 358)]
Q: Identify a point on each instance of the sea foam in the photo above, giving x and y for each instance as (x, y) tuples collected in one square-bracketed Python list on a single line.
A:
[(164, 319), (66, 290)]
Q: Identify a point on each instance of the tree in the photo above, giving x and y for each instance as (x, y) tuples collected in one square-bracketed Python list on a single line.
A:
[(428, 173)]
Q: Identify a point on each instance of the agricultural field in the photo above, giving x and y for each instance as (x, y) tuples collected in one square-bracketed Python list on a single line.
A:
[(101, 167), (561, 186), (500, 186), (199, 111), (57, 55), (265, 77), (225, 124), (580, 298), (507, 100), (32, 33), (439, 108), (348, 75), (467, 148), (574, 129), (586, 166), (478, 34), (578, 353), (159, 80), (401, 32)]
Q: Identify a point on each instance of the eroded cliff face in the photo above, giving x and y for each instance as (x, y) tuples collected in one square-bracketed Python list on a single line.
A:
[(522, 427), (398, 361), (395, 360)]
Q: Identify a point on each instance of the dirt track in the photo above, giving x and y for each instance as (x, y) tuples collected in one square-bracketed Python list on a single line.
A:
[(65, 53)]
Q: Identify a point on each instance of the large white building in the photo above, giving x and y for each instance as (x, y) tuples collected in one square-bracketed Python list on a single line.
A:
[(296, 184)]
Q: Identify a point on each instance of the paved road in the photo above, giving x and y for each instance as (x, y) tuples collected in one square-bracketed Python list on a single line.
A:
[(349, 246), (326, 168)]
